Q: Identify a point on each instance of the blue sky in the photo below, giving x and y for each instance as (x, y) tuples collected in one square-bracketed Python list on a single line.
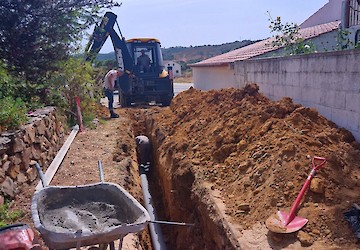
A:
[(203, 22)]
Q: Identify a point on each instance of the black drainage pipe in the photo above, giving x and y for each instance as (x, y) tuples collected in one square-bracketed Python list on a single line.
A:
[(144, 153)]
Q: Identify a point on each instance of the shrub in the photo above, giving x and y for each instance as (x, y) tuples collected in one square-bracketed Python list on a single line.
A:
[(12, 113), (8, 217)]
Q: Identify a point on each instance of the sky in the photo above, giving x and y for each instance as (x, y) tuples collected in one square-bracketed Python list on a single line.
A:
[(206, 22)]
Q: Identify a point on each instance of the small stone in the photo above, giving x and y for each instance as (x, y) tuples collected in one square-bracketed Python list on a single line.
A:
[(316, 232), (305, 239), (317, 186), (244, 207), (195, 161), (290, 184)]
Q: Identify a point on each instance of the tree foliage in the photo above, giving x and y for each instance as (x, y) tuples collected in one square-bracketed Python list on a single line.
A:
[(288, 36), (36, 34)]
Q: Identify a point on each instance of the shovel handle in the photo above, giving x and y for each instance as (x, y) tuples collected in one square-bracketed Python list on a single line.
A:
[(305, 187), (321, 163)]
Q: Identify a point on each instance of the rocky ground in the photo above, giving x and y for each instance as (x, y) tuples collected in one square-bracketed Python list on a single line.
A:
[(253, 153)]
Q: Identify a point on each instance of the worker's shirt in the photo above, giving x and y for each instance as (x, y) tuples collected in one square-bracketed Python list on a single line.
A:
[(144, 60), (109, 80)]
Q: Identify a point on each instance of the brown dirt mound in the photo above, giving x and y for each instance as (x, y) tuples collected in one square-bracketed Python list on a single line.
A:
[(258, 153)]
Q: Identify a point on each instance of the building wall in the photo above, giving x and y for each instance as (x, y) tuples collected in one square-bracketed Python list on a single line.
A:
[(217, 77), (328, 81), (176, 67), (206, 78), (328, 13)]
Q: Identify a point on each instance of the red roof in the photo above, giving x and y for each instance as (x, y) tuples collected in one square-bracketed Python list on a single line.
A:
[(263, 46)]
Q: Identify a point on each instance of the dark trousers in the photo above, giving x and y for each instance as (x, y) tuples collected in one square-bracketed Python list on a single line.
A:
[(110, 96)]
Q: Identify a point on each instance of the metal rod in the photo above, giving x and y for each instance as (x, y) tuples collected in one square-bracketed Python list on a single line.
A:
[(172, 223), (101, 171)]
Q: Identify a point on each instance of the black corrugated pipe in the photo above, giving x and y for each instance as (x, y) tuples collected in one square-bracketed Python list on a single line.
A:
[(144, 158)]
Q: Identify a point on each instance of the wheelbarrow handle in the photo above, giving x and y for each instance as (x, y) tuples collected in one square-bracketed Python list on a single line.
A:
[(41, 174), (101, 172)]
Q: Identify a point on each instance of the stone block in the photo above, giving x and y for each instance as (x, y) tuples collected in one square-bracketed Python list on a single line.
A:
[(5, 157), (29, 133), (6, 165), (41, 128), (45, 143), (8, 187), (13, 171), (25, 158), (35, 152), (4, 144), (31, 174), (17, 145), (49, 132), (54, 140), (21, 178), (2, 174), (47, 121), (15, 159)]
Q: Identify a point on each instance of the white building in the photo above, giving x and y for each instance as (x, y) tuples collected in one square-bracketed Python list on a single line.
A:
[(176, 67)]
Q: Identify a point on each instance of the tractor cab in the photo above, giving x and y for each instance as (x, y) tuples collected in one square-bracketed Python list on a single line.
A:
[(146, 53)]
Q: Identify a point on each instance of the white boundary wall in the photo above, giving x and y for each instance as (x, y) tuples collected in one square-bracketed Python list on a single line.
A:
[(206, 78), (328, 81)]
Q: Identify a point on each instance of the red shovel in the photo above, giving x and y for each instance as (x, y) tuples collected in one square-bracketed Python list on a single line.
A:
[(283, 222)]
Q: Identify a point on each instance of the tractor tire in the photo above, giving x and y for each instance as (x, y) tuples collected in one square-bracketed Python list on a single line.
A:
[(124, 101)]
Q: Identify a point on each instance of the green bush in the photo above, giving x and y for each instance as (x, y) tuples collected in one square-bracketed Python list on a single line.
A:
[(8, 217), (12, 113)]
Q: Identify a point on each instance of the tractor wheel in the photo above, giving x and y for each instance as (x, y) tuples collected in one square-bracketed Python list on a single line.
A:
[(123, 100)]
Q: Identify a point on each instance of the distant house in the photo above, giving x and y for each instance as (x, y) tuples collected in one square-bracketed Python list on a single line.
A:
[(176, 67), (322, 29)]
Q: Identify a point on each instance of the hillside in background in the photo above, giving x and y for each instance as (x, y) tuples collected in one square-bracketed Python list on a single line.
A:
[(192, 54)]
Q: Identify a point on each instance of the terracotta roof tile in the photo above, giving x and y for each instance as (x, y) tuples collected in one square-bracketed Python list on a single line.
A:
[(263, 46)]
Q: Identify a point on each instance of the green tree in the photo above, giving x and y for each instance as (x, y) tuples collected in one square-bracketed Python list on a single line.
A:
[(37, 34), (75, 78), (288, 36)]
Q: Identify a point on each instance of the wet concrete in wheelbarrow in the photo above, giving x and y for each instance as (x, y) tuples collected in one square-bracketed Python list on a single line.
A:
[(83, 211)]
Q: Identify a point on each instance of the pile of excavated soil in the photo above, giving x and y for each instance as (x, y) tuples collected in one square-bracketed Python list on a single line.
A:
[(258, 154)]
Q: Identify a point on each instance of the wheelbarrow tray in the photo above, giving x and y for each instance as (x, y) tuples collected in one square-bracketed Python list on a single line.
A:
[(74, 216)]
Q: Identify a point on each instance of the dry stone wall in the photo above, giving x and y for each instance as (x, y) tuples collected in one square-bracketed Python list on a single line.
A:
[(36, 141)]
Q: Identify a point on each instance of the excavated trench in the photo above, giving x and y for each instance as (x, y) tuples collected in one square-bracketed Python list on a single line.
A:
[(179, 197)]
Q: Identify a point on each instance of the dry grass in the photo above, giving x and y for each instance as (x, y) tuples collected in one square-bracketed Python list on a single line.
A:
[(183, 79)]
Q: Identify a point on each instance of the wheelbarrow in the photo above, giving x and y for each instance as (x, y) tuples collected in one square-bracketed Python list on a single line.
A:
[(86, 215)]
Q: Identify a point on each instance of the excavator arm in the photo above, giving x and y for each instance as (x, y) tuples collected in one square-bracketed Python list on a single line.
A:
[(100, 35)]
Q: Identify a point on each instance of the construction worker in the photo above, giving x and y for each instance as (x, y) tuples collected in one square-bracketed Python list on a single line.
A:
[(109, 85), (144, 61)]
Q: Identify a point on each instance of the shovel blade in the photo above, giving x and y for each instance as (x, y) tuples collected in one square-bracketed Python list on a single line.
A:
[(277, 223)]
